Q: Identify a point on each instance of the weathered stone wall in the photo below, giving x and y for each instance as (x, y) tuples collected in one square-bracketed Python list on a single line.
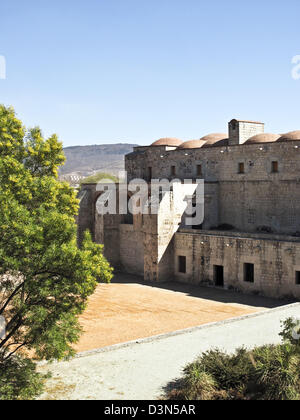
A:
[(85, 218), (258, 198), (150, 242), (104, 229), (219, 163), (254, 200), (131, 249), (249, 206), (159, 230), (276, 261)]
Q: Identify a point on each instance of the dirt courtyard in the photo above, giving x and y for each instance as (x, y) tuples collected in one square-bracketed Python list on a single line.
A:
[(125, 310)]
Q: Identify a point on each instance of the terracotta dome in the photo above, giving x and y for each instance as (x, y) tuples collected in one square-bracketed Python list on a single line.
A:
[(263, 138), (293, 135), (215, 139), (172, 142), (192, 144)]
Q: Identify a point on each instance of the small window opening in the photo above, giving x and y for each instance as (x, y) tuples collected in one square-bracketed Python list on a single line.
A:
[(274, 167), (241, 168), (199, 170)]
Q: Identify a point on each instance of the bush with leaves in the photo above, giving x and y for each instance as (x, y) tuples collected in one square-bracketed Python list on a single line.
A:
[(270, 372), (45, 279)]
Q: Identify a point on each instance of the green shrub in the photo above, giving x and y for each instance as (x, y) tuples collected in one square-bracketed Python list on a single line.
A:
[(195, 385), (277, 372), (270, 372)]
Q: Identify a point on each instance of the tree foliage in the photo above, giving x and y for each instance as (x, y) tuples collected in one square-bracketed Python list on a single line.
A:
[(45, 279), (19, 379), (100, 176)]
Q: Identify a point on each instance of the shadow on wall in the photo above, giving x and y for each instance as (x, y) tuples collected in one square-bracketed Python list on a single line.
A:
[(208, 293)]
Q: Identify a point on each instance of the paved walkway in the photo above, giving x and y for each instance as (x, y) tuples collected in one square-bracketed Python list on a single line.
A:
[(140, 370)]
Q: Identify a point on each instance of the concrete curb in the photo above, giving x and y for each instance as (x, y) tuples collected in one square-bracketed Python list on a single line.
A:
[(185, 331)]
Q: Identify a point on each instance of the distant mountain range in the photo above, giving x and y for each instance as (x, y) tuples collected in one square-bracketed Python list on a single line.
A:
[(84, 161)]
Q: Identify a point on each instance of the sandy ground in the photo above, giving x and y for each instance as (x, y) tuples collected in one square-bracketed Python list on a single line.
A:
[(125, 311)]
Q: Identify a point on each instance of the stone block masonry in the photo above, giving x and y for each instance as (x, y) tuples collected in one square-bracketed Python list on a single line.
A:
[(250, 237), (275, 262)]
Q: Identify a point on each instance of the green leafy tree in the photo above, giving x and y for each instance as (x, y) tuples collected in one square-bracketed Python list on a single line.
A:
[(45, 279)]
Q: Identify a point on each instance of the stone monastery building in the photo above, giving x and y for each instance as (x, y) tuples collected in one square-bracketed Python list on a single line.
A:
[(250, 237)]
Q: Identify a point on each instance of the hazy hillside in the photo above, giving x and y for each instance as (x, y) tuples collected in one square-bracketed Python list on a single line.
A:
[(87, 160)]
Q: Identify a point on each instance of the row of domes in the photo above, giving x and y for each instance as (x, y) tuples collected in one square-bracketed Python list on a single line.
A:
[(221, 139)]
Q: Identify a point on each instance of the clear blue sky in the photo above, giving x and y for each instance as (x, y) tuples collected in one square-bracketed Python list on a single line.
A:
[(104, 71)]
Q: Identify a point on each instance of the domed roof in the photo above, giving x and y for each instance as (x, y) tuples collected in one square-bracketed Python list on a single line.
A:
[(263, 138), (167, 142), (216, 139), (192, 144), (293, 135)]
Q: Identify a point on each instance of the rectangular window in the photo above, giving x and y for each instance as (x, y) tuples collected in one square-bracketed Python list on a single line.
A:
[(298, 278), (149, 173), (241, 168), (182, 265), (274, 167), (199, 170), (249, 273), (173, 170)]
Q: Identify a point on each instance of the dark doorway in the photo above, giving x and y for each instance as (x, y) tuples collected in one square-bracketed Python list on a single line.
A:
[(249, 273), (219, 275), (182, 265)]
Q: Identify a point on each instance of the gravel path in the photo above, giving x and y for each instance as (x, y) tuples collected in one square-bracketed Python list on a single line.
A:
[(141, 369)]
